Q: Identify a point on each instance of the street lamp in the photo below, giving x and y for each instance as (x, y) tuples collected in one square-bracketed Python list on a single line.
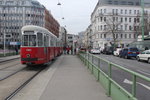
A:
[(142, 5), (59, 4)]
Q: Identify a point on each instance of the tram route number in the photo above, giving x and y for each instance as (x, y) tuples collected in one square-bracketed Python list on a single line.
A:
[(28, 50)]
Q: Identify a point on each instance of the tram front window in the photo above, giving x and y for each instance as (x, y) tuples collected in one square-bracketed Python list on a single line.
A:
[(29, 40)]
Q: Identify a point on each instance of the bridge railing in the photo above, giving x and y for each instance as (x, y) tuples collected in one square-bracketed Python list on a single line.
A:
[(105, 77)]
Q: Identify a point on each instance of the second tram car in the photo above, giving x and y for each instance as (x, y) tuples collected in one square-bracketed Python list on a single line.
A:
[(39, 46)]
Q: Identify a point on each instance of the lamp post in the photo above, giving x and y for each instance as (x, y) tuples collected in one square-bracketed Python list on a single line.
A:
[(4, 44), (142, 5)]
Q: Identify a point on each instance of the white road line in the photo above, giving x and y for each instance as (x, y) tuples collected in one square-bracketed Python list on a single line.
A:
[(130, 83), (143, 72)]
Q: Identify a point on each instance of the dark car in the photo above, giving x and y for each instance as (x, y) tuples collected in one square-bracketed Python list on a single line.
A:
[(108, 50), (129, 52)]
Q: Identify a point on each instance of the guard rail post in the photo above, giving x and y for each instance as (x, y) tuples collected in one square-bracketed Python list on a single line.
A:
[(134, 85), (98, 78), (110, 76), (88, 60), (92, 64)]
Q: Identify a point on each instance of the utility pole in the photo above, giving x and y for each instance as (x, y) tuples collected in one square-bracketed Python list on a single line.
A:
[(142, 5)]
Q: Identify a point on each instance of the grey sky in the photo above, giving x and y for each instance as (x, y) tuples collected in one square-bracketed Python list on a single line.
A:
[(76, 13)]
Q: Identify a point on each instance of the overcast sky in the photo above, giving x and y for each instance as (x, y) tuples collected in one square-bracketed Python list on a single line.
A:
[(76, 13)]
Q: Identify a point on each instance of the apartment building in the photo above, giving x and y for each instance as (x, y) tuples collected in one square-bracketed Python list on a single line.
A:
[(119, 20)]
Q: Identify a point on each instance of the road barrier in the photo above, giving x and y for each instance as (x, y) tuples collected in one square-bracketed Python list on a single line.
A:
[(113, 89)]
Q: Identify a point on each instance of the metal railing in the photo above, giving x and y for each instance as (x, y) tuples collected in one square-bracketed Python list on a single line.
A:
[(113, 89)]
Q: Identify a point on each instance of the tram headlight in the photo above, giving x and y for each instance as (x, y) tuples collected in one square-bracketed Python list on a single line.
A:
[(28, 55)]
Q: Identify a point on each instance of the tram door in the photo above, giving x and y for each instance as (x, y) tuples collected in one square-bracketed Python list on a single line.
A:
[(46, 47)]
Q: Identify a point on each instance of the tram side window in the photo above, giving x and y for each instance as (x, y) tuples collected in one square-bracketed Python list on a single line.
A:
[(40, 39), (52, 41)]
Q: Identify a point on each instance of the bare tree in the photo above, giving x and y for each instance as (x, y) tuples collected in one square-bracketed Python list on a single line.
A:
[(138, 24), (112, 27)]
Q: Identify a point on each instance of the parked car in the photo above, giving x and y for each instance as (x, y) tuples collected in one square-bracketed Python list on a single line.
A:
[(83, 49), (108, 50), (95, 51), (145, 55), (129, 52), (117, 51)]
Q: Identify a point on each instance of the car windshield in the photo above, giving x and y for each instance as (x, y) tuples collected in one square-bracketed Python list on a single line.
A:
[(29, 40)]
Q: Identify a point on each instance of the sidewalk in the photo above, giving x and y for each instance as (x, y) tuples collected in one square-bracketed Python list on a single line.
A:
[(66, 79)]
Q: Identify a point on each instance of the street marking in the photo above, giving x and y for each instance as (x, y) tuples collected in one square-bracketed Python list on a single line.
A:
[(130, 83), (127, 81), (147, 87), (143, 72)]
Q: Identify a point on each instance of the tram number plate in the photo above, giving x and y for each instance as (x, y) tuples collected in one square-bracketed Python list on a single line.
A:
[(28, 50)]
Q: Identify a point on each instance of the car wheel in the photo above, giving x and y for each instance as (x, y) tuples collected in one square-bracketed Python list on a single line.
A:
[(126, 57), (149, 60), (138, 59)]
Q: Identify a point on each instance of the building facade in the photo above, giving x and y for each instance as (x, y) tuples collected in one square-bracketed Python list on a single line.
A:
[(51, 24), (16, 13), (63, 36), (116, 21)]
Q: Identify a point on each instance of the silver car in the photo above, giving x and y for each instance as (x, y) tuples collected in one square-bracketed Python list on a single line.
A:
[(145, 55)]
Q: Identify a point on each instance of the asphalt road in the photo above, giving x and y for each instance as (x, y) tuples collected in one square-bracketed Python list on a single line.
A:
[(124, 78)]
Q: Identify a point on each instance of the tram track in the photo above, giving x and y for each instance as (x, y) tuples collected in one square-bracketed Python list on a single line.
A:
[(22, 86), (9, 75), (9, 66), (12, 84), (8, 60)]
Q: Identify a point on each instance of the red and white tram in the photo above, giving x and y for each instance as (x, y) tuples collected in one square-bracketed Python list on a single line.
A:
[(39, 46)]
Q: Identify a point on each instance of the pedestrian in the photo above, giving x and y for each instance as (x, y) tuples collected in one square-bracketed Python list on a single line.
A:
[(75, 51), (71, 50), (68, 50), (16, 49), (64, 49)]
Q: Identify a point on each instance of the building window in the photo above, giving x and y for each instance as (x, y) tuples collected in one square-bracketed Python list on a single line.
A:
[(137, 3), (130, 28), (138, 20), (125, 19), (138, 12), (130, 3), (134, 11), (116, 2), (113, 11), (101, 27), (121, 36), (109, 2), (130, 36), (105, 11), (104, 27), (134, 20), (104, 35), (126, 27), (104, 19), (125, 11), (129, 19), (121, 11), (121, 27), (123, 2), (101, 19), (121, 19), (130, 11), (116, 11), (125, 36)]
